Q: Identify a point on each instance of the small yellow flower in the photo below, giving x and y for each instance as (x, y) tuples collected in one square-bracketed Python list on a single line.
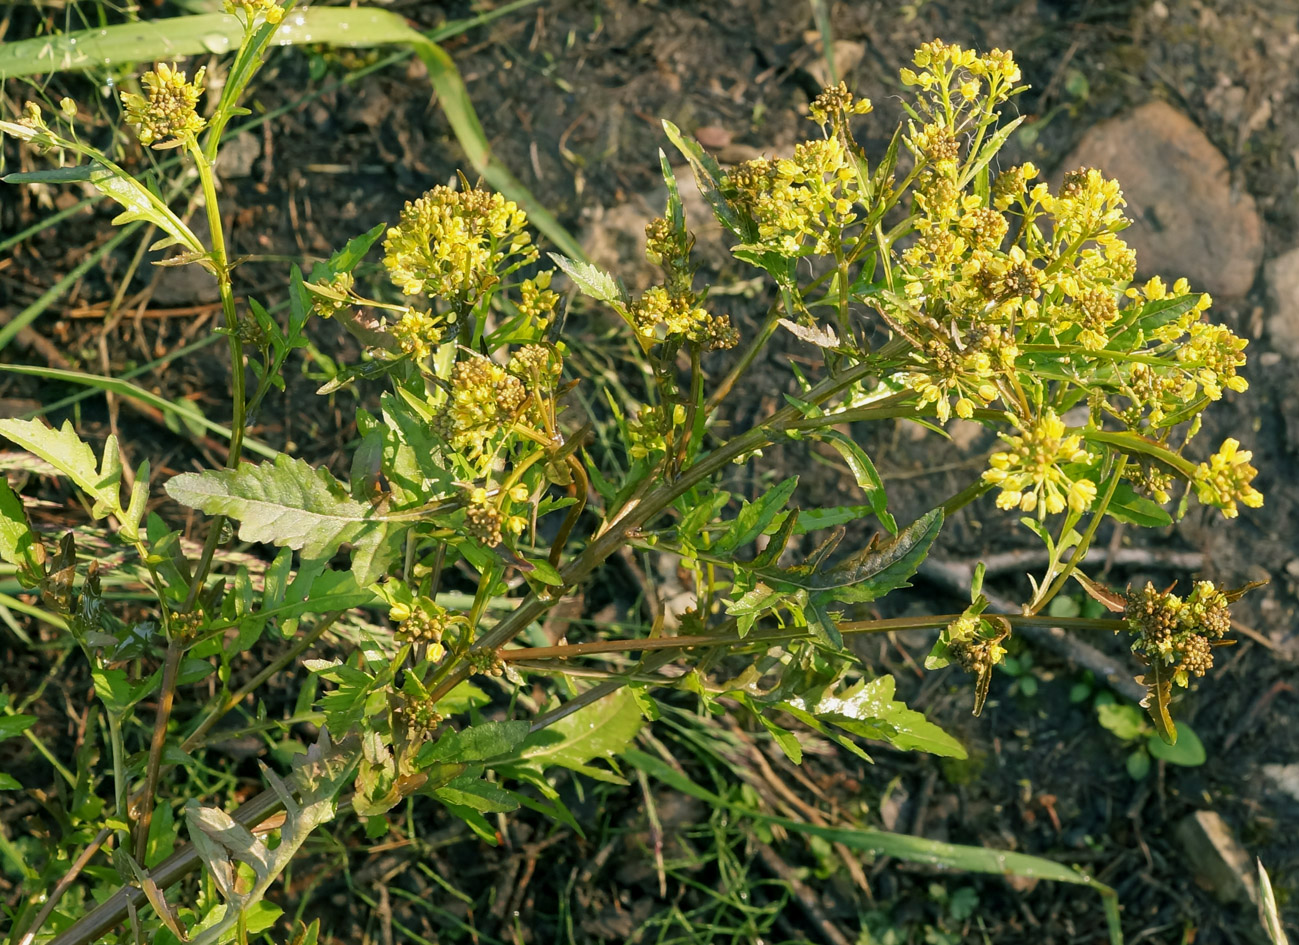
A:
[(1227, 478), (1030, 476)]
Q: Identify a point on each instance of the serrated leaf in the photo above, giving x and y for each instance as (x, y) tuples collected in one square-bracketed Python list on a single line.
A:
[(600, 730), (1159, 692), (871, 711), (708, 176), (590, 280), (290, 504), (872, 572), (67, 453), (823, 337)]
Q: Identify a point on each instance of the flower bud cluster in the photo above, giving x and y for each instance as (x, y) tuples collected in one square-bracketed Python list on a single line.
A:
[(166, 115), (1176, 632)]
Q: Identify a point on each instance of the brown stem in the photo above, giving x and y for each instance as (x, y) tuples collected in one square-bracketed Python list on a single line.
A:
[(170, 669)]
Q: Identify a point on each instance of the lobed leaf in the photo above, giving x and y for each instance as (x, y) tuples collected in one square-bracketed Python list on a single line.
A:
[(290, 504)]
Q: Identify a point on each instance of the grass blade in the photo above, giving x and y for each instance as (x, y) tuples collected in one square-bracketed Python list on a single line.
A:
[(124, 388), (333, 26), (904, 847)]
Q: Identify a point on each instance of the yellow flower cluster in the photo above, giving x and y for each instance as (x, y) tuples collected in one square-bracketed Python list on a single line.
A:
[(660, 313), (537, 300), (250, 10), (1030, 476), (835, 103), (792, 200), (418, 332), (455, 244), (1227, 479), (166, 115), (484, 401), (650, 430)]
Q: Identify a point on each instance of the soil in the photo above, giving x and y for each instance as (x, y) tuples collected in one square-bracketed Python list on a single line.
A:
[(570, 93)]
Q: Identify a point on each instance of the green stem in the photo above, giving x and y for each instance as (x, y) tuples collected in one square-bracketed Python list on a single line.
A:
[(751, 352), (1081, 551)]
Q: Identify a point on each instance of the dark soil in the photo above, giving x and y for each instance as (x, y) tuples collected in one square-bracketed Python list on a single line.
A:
[(570, 94)]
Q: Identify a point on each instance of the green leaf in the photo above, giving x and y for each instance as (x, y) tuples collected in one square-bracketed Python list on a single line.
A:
[(864, 471), (66, 452), (1159, 692), (872, 572), (708, 175), (18, 544), (1127, 506), (479, 742), (1188, 751), (13, 725), (871, 711), (8, 783), (1121, 720), (290, 504), (140, 204), (589, 279), (1138, 763), (479, 795), (600, 730), (754, 517)]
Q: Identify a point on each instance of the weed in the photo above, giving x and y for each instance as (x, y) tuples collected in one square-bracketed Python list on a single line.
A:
[(473, 502)]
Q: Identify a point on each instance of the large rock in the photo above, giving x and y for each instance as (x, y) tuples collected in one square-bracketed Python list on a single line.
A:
[(1282, 277), (1187, 218)]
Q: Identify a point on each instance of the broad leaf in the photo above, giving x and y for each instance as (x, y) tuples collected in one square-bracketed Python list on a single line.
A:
[(480, 742), (290, 504), (600, 730), (66, 452), (18, 545), (754, 517)]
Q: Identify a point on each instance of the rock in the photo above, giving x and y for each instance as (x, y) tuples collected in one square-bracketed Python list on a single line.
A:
[(1187, 219), (1282, 277), (1285, 777), (237, 155), (1216, 858)]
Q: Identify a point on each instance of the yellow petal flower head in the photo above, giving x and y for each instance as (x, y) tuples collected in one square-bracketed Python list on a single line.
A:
[(1030, 476), (1227, 478), (166, 115), (455, 244)]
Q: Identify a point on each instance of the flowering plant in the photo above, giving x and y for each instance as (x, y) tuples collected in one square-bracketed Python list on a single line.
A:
[(1002, 302)]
